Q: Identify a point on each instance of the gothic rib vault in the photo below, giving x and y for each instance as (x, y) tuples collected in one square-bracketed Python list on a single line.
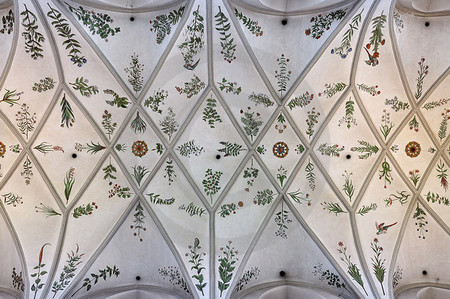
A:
[(195, 149)]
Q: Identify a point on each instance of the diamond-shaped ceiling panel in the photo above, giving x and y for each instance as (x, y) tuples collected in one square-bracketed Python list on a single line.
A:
[(212, 149)]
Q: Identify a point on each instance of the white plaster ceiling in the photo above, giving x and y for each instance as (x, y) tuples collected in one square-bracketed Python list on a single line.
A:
[(202, 149)]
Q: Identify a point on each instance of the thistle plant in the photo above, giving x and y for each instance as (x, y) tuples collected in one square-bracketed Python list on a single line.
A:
[(352, 269), (377, 263)]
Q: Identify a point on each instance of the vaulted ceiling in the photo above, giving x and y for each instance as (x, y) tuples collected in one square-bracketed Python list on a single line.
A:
[(224, 149)]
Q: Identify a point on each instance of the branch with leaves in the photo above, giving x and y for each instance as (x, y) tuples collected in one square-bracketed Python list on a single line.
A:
[(120, 102), (194, 42), (192, 209), (189, 148), (229, 86), (162, 24), (97, 22), (248, 23), (348, 119), (352, 269), (33, 38), (226, 266), (156, 199), (83, 87), (226, 41), (67, 116), (301, 101), (210, 114), (157, 99), (282, 74), (138, 222), (378, 266), (231, 149), (366, 209), (332, 207), (37, 284), (345, 46), (102, 273), (365, 148), (68, 272)]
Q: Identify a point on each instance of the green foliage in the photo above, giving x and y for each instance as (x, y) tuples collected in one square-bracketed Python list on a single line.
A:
[(27, 170), (25, 120), (83, 87), (226, 266), (107, 124), (366, 209), (44, 84), (378, 266), (433, 104), (300, 197), (169, 124), (311, 121), (170, 171), (348, 118), (156, 199), (442, 174), (46, 210), (211, 182), (396, 104), (192, 87), (332, 207), (423, 72), (162, 24), (332, 89), (138, 125), (195, 258), (352, 269), (98, 23), (260, 98), (120, 102), (231, 149), (442, 133), (138, 222), (68, 272), (120, 192), (94, 148), (84, 210), (210, 114), (345, 46), (419, 215), (37, 284), (17, 280), (227, 209), (139, 172), (401, 197), (67, 116), (226, 41), (396, 276), (372, 90), (157, 99), (174, 276), (102, 273), (135, 73), (109, 170), (189, 148), (229, 86), (63, 28), (386, 124), (282, 74), (348, 187), (310, 175), (263, 197), (301, 101), (323, 22), (281, 220), (33, 38), (69, 180), (365, 148), (250, 173), (435, 197), (246, 277), (385, 173), (192, 209), (7, 23), (194, 42), (330, 150), (250, 24), (376, 39), (12, 199), (252, 122), (331, 278)]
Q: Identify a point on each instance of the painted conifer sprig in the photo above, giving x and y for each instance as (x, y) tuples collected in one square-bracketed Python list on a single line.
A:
[(97, 22), (120, 102), (134, 72), (378, 266), (345, 46), (105, 273), (69, 180), (153, 102), (210, 114), (352, 269), (192, 209), (33, 38), (189, 148), (86, 90), (226, 260), (67, 116), (365, 148), (156, 199), (162, 24), (37, 276), (226, 41), (68, 272), (194, 42), (250, 24), (231, 149), (195, 258), (65, 31)]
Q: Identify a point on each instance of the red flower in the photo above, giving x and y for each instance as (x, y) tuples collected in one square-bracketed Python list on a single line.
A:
[(340, 244), (307, 31)]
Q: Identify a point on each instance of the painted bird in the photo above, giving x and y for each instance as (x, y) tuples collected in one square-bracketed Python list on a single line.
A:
[(382, 229)]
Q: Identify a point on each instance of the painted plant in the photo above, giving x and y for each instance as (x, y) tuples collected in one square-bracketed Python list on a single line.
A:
[(322, 23), (227, 44), (94, 278), (352, 269), (196, 259), (345, 46), (134, 72), (33, 38), (226, 260), (194, 42), (98, 23), (376, 39), (162, 24)]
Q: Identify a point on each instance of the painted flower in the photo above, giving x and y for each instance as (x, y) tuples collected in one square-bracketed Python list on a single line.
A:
[(2, 149), (412, 149), (340, 244), (280, 149), (139, 148)]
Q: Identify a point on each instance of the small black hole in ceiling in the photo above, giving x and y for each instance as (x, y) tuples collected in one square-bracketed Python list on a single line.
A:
[(217, 157), (138, 278), (348, 156), (132, 19), (282, 273), (74, 156), (427, 24), (424, 272), (284, 22)]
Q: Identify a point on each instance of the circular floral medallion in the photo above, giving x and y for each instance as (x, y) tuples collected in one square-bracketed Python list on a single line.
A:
[(412, 149), (139, 148), (280, 149), (2, 149)]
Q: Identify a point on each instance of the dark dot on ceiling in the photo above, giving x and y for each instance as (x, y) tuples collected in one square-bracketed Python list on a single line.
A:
[(282, 273), (132, 19), (217, 157), (284, 22), (427, 24), (74, 156), (138, 278), (424, 272), (348, 156)]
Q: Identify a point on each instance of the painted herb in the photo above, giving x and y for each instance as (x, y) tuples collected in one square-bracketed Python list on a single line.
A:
[(134, 72), (330, 150), (435, 197), (175, 277), (121, 147), (162, 24), (386, 124), (348, 119), (310, 175), (192, 209), (226, 266), (98, 23), (33, 38), (211, 182), (444, 124), (348, 187), (37, 276), (385, 173), (352, 269), (229, 86), (25, 120), (11, 97), (311, 121), (365, 148), (332, 207), (398, 21), (281, 220), (194, 42), (422, 72), (345, 46), (156, 199), (372, 90), (281, 175), (263, 197), (280, 125), (366, 209), (442, 174), (46, 210), (17, 280), (331, 278), (282, 74), (252, 122), (250, 173), (107, 124), (69, 180), (231, 149), (323, 23), (210, 114), (191, 88), (93, 148), (251, 25), (139, 172), (106, 273), (261, 149), (226, 41), (27, 172), (67, 116), (433, 104), (169, 124), (157, 99), (110, 172), (396, 277), (396, 104), (15, 148), (301, 101), (414, 176), (121, 192), (248, 275), (229, 208), (300, 197), (120, 102), (401, 197), (419, 215), (84, 210), (376, 39), (260, 98), (332, 89), (7, 23), (138, 222), (195, 258), (12, 199), (170, 171), (189, 148), (68, 272), (44, 84), (378, 266), (83, 87), (138, 125), (65, 31)]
